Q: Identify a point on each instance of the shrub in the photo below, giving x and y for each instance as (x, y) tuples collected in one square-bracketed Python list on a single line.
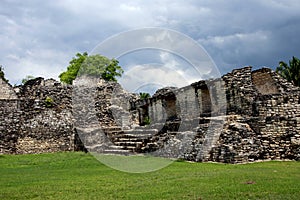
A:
[(49, 102), (147, 120)]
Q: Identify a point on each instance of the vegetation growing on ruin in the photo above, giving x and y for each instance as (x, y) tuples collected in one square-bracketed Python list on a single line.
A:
[(2, 75), (144, 95), (27, 78), (147, 120), (290, 71), (76, 175), (72, 70), (94, 65), (49, 102)]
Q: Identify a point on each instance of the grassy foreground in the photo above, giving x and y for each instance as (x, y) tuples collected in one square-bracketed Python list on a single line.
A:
[(76, 175)]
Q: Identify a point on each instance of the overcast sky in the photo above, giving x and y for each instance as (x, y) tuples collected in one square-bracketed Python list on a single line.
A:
[(40, 37)]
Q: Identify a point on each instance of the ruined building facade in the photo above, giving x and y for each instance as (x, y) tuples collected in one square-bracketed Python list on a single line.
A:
[(243, 116)]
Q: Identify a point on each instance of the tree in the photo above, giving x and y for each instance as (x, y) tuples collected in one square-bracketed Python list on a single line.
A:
[(144, 95), (291, 71), (98, 65), (72, 70), (95, 65), (2, 75), (27, 78)]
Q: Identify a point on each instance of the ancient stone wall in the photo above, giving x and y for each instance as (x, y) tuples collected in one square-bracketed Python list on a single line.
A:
[(244, 116), (38, 120), (9, 125), (6, 91), (264, 82), (261, 118)]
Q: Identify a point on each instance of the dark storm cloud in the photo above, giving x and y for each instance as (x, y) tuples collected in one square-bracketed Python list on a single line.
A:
[(40, 37)]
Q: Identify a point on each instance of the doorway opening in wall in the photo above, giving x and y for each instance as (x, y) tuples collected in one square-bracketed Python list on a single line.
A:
[(170, 107), (144, 118), (205, 103)]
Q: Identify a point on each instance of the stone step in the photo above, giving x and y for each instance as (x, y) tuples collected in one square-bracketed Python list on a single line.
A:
[(113, 149), (116, 147), (141, 131), (131, 148), (141, 136), (103, 146), (129, 139), (128, 143), (114, 132), (150, 144), (117, 152), (112, 128), (173, 133)]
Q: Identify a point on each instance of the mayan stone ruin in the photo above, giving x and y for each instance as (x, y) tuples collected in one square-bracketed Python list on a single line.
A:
[(244, 116)]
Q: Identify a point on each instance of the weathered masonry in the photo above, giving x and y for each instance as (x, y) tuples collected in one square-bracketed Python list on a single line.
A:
[(243, 116), (29, 124), (258, 111)]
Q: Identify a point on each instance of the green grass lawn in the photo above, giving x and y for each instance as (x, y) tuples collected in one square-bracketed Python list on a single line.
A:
[(76, 175)]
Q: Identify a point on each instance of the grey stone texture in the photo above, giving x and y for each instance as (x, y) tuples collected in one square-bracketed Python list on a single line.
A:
[(29, 124), (243, 116)]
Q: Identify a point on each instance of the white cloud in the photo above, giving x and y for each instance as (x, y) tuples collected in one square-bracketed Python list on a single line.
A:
[(39, 62), (150, 74), (130, 8), (221, 41), (163, 68), (168, 61), (41, 38)]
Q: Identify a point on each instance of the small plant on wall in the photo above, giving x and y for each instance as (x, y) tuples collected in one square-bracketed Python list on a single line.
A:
[(49, 103), (144, 95), (147, 120)]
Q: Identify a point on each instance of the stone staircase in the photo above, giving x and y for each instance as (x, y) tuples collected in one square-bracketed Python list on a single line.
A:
[(145, 139), (123, 142), (213, 129)]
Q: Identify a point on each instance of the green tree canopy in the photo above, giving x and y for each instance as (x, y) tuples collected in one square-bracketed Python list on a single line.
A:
[(2, 75), (95, 65), (72, 70), (291, 71), (27, 78), (144, 95)]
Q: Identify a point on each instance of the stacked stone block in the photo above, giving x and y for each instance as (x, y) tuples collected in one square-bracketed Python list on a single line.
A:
[(244, 116)]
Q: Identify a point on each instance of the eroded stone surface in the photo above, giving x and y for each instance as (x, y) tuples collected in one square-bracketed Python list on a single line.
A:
[(244, 116)]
